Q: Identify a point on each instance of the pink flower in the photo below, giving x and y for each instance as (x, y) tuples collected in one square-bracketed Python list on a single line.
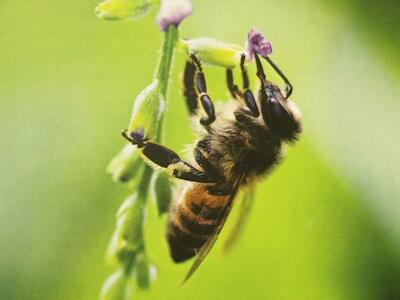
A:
[(257, 43), (173, 12)]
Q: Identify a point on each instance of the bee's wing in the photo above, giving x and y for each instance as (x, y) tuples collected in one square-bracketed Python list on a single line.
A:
[(244, 211), (205, 249)]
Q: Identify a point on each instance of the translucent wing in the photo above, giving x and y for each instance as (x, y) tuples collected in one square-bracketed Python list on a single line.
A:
[(211, 241), (244, 211)]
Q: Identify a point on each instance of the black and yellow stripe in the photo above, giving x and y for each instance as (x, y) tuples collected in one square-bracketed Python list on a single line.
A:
[(193, 221)]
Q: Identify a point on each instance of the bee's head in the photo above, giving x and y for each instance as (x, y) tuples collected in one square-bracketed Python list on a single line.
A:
[(280, 114)]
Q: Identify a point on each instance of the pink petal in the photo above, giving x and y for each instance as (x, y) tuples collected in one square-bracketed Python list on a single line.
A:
[(257, 43), (173, 12)]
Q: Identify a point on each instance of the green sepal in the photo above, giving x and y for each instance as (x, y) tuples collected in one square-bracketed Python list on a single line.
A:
[(213, 52), (142, 272), (146, 111), (116, 287), (125, 165), (127, 239), (113, 10)]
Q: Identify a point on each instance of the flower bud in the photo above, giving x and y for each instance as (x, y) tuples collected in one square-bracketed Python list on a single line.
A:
[(214, 52), (162, 192), (127, 239), (173, 12), (115, 287), (146, 111), (125, 165), (122, 9)]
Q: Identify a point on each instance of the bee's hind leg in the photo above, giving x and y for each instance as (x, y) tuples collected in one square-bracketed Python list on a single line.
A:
[(159, 156)]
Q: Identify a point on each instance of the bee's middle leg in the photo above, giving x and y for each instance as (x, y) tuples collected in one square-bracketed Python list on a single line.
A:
[(189, 91), (232, 87), (203, 96), (194, 88)]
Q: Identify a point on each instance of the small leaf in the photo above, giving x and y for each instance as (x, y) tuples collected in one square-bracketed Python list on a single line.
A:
[(125, 165), (115, 287), (122, 9), (127, 239), (214, 52), (142, 272), (162, 192)]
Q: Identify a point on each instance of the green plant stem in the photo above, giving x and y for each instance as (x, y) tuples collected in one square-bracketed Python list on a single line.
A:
[(162, 74), (171, 39), (164, 67)]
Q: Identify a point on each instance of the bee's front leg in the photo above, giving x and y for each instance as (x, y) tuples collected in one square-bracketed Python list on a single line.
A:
[(158, 156), (247, 94)]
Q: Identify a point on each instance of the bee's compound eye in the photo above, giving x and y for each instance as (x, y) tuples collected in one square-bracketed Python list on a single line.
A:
[(277, 112), (278, 119)]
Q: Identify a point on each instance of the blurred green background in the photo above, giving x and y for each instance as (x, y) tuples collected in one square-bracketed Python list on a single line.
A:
[(325, 225)]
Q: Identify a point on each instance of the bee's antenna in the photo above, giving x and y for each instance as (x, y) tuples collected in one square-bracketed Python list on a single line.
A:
[(260, 69), (289, 87)]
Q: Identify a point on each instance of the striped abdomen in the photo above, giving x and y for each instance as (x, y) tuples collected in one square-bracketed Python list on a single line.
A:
[(193, 219)]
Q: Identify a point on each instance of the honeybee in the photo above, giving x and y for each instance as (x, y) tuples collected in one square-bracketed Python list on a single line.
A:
[(238, 144)]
